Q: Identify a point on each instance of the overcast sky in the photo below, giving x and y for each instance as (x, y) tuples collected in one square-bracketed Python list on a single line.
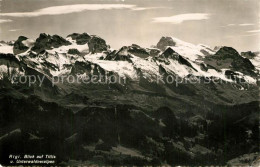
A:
[(233, 23)]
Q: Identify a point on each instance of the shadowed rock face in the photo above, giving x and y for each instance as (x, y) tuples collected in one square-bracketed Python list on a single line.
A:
[(73, 51), (135, 50), (138, 51), (121, 55), (248, 54), (19, 47), (170, 53), (164, 42), (227, 57), (47, 42), (81, 39), (154, 52), (97, 45), (227, 52)]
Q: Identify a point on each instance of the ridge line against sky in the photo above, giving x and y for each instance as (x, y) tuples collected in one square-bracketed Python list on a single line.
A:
[(158, 20)]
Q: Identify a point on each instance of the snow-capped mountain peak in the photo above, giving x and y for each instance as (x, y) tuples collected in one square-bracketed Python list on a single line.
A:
[(188, 50)]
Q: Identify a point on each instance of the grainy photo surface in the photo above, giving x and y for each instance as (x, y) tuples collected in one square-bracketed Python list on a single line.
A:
[(129, 82)]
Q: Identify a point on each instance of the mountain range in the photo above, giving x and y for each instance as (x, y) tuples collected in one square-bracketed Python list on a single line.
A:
[(179, 104)]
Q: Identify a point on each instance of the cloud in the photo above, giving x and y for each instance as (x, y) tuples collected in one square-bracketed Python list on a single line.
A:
[(142, 8), (5, 20), (66, 9), (13, 30), (148, 8), (229, 25), (253, 31), (177, 19), (246, 24), (242, 25)]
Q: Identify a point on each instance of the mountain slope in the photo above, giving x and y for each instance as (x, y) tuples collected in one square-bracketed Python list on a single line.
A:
[(169, 104)]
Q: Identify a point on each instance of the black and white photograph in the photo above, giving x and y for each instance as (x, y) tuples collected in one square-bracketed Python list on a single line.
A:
[(162, 83)]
